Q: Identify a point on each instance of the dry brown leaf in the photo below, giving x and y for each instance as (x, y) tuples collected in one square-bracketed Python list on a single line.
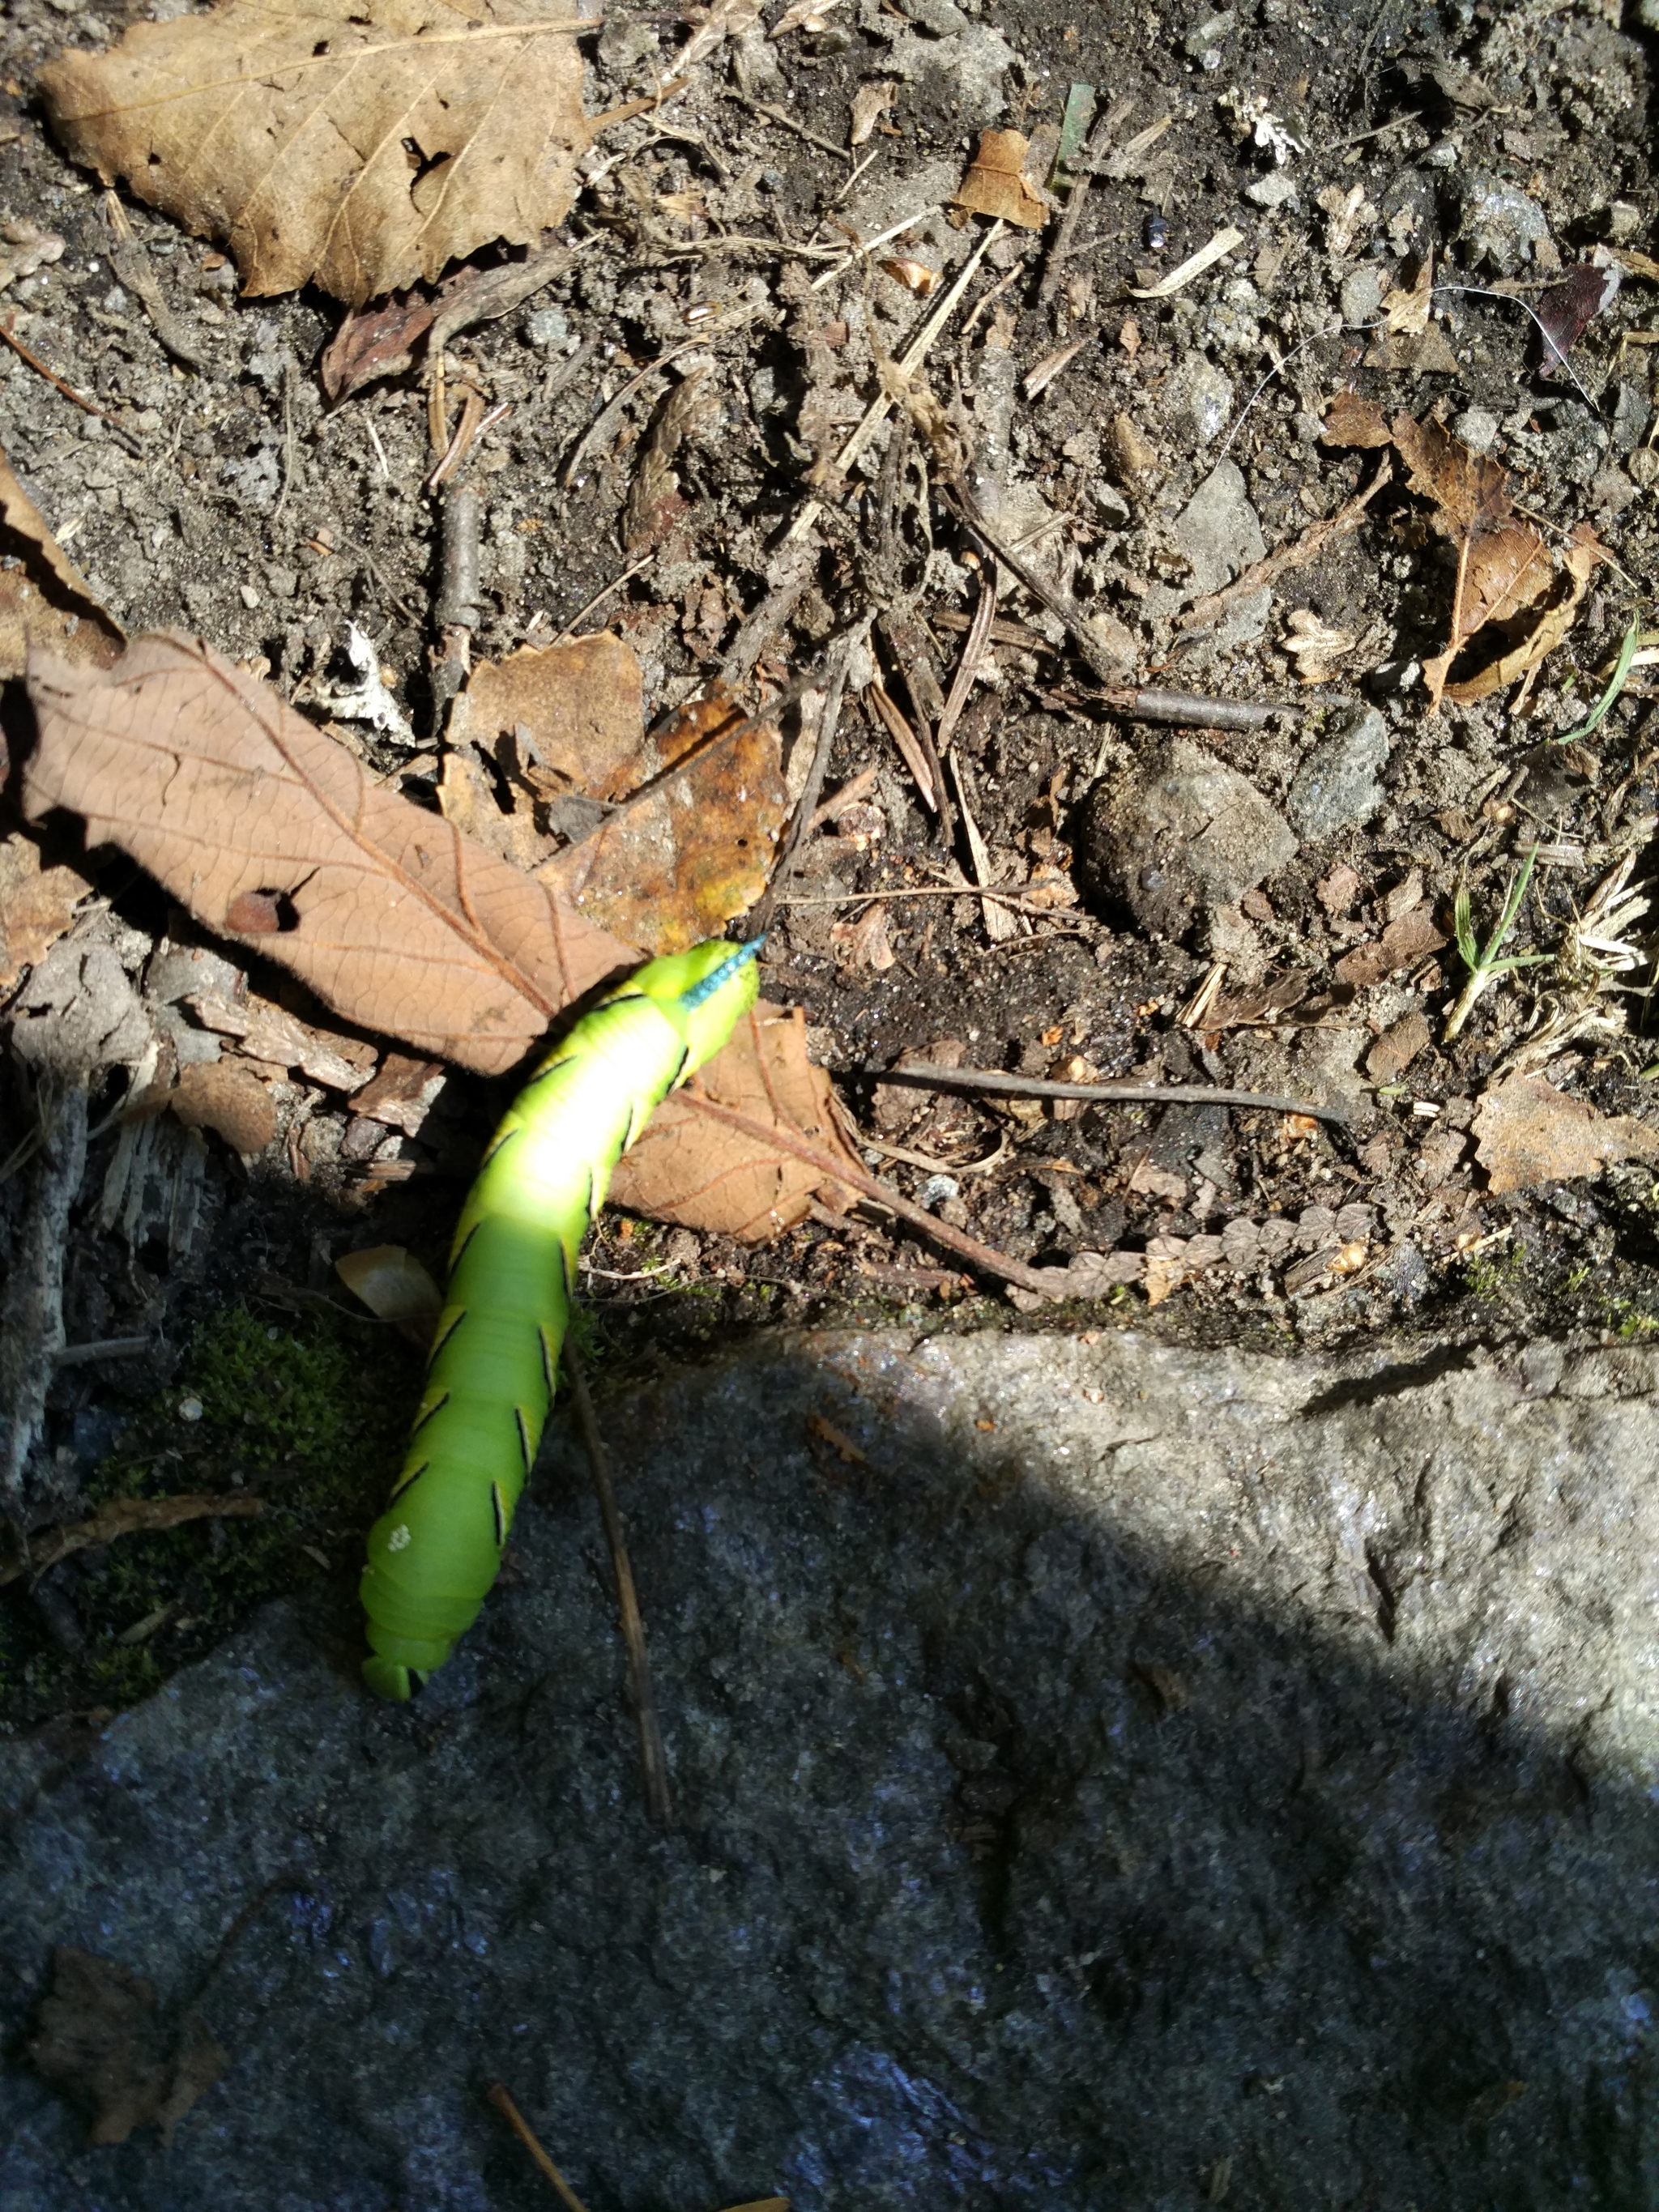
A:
[(1407, 312), (395, 1287), (1580, 559), (1415, 353), (581, 704), (693, 850), (398, 923), (1411, 938), (45, 599), (1351, 421), (654, 500), (687, 1168), (1503, 565), (1470, 490), (98, 2041), (37, 905), (870, 103), (995, 184), (1529, 1132), (363, 149)]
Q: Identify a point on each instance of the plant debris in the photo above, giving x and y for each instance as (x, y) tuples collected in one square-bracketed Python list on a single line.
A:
[(99, 2042)]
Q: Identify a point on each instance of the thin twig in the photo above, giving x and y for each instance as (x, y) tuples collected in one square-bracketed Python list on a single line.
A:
[(788, 122), (598, 599), (1082, 176), (987, 1261), (1192, 710), (907, 364), (515, 2119), (1105, 1094), (131, 1517), (90, 406), (1107, 664), (840, 655), (1307, 548), (652, 1759)]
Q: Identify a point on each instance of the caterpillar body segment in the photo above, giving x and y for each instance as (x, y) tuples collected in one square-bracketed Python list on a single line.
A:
[(435, 1553)]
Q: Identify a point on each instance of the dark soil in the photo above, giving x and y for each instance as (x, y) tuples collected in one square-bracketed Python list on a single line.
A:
[(256, 515)]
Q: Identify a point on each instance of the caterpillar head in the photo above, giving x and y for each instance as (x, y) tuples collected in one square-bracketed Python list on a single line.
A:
[(705, 991)]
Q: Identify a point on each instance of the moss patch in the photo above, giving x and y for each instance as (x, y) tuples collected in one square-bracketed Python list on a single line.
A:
[(311, 1415)]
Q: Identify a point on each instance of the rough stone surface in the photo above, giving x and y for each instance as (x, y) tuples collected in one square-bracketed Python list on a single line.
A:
[(1141, 1759), (1503, 228), (1181, 832), (1218, 530), (1198, 402), (1336, 785)]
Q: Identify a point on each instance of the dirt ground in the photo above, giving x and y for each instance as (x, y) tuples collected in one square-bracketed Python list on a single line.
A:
[(1268, 907)]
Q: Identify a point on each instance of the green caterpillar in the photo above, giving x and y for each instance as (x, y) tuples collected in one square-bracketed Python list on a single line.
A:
[(435, 1553)]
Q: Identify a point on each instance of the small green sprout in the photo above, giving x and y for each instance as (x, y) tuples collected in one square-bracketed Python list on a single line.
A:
[(1481, 961), (1616, 683)]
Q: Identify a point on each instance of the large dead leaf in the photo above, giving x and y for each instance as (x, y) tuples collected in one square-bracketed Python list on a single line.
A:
[(1529, 1132), (692, 809), (1504, 566), (691, 1169), (275, 836), (361, 148), (45, 599)]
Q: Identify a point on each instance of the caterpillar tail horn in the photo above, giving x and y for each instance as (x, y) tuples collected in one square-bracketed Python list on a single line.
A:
[(435, 1552)]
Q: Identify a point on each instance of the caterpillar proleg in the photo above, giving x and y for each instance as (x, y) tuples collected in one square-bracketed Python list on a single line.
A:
[(435, 1553)]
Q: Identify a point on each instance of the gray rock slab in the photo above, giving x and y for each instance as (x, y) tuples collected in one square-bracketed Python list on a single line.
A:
[(1181, 832), (1218, 530), (1143, 1758), (1336, 785)]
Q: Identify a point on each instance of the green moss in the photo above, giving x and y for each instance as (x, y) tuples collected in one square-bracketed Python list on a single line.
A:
[(311, 1415)]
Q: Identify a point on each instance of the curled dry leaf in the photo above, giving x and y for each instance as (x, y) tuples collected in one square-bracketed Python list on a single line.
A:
[(996, 185), (870, 103), (398, 923), (1504, 567), (1315, 644), (362, 149), (690, 1169), (45, 599), (1529, 1132), (396, 1288)]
